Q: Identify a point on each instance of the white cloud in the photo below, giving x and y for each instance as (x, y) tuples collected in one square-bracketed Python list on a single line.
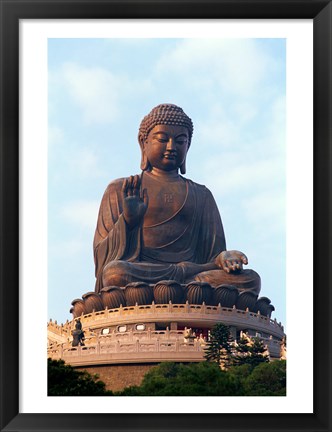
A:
[(277, 131), (234, 173), (236, 65), (232, 158), (55, 135), (243, 126), (86, 163), (83, 214), (72, 247), (97, 91), (267, 209), (219, 130), (56, 140), (243, 111)]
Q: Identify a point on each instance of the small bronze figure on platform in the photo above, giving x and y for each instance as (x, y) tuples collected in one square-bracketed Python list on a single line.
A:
[(78, 334)]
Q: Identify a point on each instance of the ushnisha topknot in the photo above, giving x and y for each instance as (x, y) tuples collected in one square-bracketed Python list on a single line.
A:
[(165, 114)]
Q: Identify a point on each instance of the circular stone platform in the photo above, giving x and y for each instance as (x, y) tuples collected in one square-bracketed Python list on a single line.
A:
[(155, 333)]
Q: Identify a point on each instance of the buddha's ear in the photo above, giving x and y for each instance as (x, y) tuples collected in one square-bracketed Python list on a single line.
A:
[(141, 140), (183, 167), (145, 165)]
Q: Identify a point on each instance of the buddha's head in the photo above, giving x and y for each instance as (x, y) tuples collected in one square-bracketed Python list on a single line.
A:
[(165, 137)]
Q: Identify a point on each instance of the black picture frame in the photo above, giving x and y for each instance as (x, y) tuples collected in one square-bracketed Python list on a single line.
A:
[(11, 13)]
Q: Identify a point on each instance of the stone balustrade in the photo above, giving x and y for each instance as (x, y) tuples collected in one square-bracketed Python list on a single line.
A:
[(148, 345), (61, 329), (139, 347), (195, 315), (58, 333), (131, 347)]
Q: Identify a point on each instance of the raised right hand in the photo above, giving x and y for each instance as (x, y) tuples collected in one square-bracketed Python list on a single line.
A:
[(134, 203)]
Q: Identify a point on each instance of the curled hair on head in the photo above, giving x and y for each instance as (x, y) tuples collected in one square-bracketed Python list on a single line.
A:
[(164, 114)]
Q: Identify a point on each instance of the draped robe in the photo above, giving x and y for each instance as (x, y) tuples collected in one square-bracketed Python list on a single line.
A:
[(193, 234)]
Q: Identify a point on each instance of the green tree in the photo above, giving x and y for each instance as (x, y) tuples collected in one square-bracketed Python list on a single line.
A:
[(258, 352), (267, 379), (208, 379), (64, 380), (240, 373), (250, 351), (219, 346), (196, 379)]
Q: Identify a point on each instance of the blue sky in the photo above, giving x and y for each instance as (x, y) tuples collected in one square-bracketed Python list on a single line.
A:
[(234, 91)]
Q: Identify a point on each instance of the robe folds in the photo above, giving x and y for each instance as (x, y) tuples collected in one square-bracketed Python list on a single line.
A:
[(194, 234)]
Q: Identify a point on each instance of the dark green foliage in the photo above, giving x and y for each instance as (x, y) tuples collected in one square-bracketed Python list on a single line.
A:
[(219, 346), (175, 379), (241, 350), (64, 380), (267, 379), (241, 372), (129, 391), (250, 351), (258, 352), (207, 379)]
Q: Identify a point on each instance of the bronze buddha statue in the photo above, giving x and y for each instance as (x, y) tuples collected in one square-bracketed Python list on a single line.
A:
[(159, 225)]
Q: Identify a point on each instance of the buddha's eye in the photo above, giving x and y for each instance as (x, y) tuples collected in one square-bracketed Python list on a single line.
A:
[(181, 140), (161, 138)]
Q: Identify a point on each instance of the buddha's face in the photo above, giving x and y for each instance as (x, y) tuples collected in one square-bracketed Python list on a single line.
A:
[(166, 147)]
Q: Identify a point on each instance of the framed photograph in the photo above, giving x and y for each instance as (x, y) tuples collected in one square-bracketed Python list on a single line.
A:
[(256, 80)]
